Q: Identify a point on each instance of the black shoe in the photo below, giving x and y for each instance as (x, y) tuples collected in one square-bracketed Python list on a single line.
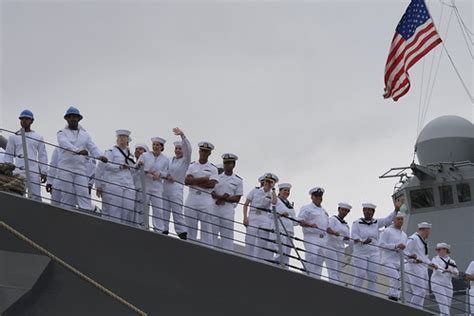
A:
[(393, 298), (165, 232), (183, 236)]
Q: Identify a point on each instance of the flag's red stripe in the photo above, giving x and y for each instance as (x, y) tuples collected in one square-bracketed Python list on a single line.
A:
[(399, 57), (405, 67), (424, 52)]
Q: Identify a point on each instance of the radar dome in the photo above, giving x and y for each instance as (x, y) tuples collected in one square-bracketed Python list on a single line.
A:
[(446, 139)]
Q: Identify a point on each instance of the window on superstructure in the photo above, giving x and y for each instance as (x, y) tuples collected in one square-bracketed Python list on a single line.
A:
[(464, 192), (446, 195), (422, 198)]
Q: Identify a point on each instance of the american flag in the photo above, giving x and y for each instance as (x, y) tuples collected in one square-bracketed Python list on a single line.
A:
[(415, 37)]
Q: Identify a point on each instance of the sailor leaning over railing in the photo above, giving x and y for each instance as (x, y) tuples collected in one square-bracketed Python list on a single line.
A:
[(173, 189), (338, 238), (201, 176), (155, 165), (76, 145), (226, 194), (393, 239), (314, 219), (114, 180), (415, 267), (258, 220), (441, 279), (36, 152), (365, 233), (286, 210)]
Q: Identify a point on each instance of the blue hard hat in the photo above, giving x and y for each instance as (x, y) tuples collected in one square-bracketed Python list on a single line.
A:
[(72, 111), (26, 114)]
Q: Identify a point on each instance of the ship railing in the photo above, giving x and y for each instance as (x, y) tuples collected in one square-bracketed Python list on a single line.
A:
[(276, 242)]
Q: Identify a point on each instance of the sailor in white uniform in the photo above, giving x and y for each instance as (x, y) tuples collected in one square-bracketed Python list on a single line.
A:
[(155, 164), (258, 219), (416, 267), (226, 194), (286, 209), (338, 237), (137, 181), (173, 186), (365, 233), (441, 279), (37, 156), (53, 185), (76, 145), (470, 277), (315, 220), (393, 239), (115, 181), (202, 177)]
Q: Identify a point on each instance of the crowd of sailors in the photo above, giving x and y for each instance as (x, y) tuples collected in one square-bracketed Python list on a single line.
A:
[(129, 183)]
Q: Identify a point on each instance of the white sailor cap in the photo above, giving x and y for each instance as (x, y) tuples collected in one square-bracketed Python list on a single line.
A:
[(270, 176), (229, 157), (261, 178), (443, 245), (316, 191), (369, 205), (400, 215), (284, 186), (177, 143), (345, 205), (142, 146), (424, 225), (206, 146), (158, 140), (123, 132)]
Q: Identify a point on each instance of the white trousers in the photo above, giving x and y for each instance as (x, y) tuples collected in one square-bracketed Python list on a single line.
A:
[(365, 268), (173, 203), (154, 198), (286, 247), (471, 300), (223, 226), (74, 190), (315, 254), (444, 296), (35, 186), (118, 203), (257, 236), (392, 270), (417, 283), (335, 262), (198, 210), (56, 193), (139, 208)]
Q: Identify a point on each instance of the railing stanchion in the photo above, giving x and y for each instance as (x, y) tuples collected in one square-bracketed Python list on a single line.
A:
[(26, 164), (144, 201), (402, 277)]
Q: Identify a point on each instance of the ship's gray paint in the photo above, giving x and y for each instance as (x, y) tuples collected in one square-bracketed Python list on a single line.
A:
[(162, 275), (18, 273)]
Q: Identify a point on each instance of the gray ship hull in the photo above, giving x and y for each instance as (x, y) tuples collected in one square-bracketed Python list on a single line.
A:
[(159, 274)]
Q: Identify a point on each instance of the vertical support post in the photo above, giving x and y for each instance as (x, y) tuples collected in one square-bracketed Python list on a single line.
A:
[(278, 237), (402, 277), (26, 163), (144, 201)]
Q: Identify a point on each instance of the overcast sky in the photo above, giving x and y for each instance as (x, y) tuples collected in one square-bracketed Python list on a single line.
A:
[(291, 87)]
